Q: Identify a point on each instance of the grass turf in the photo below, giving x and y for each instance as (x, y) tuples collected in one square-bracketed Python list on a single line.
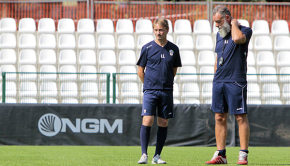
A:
[(129, 155)]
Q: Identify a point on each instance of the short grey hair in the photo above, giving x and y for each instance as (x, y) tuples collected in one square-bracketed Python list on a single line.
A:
[(161, 21), (223, 10)]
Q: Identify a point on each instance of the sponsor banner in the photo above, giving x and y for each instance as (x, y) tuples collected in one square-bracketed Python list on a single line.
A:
[(112, 124)]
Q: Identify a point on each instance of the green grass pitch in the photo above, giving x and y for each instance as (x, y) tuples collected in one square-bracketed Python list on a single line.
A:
[(129, 155)]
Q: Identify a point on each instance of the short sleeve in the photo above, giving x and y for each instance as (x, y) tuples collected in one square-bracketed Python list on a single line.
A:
[(248, 32), (143, 57), (177, 62)]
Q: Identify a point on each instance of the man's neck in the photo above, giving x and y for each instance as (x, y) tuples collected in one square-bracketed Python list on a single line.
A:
[(162, 43)]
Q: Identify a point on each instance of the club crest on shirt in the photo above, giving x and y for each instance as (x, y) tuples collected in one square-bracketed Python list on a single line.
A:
[(171, 52)]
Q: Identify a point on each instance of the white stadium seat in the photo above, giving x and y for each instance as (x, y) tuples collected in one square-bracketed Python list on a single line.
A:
[(86, 41), (9, 68), (280, 27), (271, 91), (206, 73), (127, 57), (281, 43), (48, 72), (27, 41), (28, 89), (28, 73), (260, 27), (187, 58), (143, 26), (182, 26), (27, 25), (284, 74), (107, 57), (244, 22), (124, 26), (106, 42), (69, 89), (201, 27), (66, 41), (184, 42), (27, 56), (7, 40), (190, 90), (87, 57), (85, 25), (89, 89), (263, 43), (7, 25), (268, 74), (105, 26), (8, 56), (253, 91), (67, 57), (46, 41), (206, 58), (283, 59), (170, 26), (46, 25), (265, 58), (126, 42), (251, 59), (68, 72), (204, 42), (88, 73), (47, 56), (188, 74), (143, 39), (66, 25), (252, 74), (128, 77)]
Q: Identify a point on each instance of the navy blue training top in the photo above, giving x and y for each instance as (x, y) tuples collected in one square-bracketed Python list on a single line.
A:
[(234, 58), (159, 63)]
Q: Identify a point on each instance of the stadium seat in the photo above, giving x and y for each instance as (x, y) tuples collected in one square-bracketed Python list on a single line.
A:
[(103, 91), (47, 56), (27, 41), (89, 89), (281, 43), (28, 89), (105, 26), (143, 26), (201, 27), (214, 29), (11, 69), (46, 25), (284, 76), (106, 42), (203, 42), (206, 92), (7, 40), (188, 74), (252, 74), (130, 100), (85, 25), (107, 69), (206, 58), (67, 57), (176, 91), (124, 26), (48, 72), (206, 73), (66, 41), (107, 57), (143, 39), (48, 89), (254, 101), (47, 100), (132, 77), (27, 56), (283, 59), (280, 27), (88, 73), (263, 43), (69, 101), (260, 27), (89, 100), (187, 58), (182, 26), (7, 25), (251, 59), (130, 89), (46, 41), (26, 25), (87, 57), (273, 102), (190, 90), (170, 38), (271, 91), (126, 42), (184, 42), (10, 100), (253, 91), (265, 58), (8, 57), (268, 74), (66, 25), (28, 73), (127, 57), (11, 89), (244, 22), (286, 92), (69, 89), (68, 72), (86, 41), (250, 47), (190, 101), (28, 100)]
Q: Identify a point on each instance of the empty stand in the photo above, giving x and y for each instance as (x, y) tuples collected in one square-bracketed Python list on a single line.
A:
[(105, 26), (106, 42), (85, 25), (280, 27), (204, 42), (126, 42), (7, 25), (260, 27), (201, 27), (143, 26), (187, 58), (182, 26), (184, 42), (86, 41), (27, 25), (46, 25), (124, 26), (65, 25)]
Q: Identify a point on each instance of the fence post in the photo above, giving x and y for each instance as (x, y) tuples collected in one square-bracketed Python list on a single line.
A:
[(3, 87), (114, 88), (108, 88)]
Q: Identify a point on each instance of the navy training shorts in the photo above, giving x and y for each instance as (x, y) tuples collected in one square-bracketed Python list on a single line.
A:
[(229, 97), (162, 100)]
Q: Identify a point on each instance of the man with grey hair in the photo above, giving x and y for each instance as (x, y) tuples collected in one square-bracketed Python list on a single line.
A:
[(229, 93)]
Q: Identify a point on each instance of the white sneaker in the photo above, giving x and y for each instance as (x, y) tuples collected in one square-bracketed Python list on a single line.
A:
[(157, 160), (243, 158), (143, 159)]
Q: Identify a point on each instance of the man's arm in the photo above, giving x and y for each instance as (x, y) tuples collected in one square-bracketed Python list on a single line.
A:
[(215, 65), (237, 35), (174, 71), (141, 73)]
